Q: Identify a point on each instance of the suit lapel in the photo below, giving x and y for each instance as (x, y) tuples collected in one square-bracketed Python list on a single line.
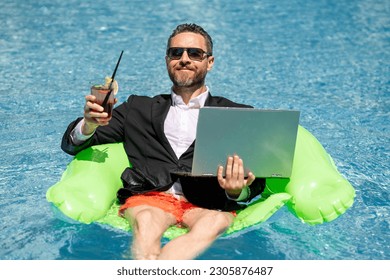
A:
[(211, 101), (160, 110)]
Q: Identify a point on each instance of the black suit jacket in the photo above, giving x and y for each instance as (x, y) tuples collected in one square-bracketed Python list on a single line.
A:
[(139, 124)]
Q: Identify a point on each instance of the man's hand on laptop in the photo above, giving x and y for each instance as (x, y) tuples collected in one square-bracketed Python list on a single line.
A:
[(234, 180)]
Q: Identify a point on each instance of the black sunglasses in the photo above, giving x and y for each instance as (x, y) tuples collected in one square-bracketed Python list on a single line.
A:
[(193, 53)]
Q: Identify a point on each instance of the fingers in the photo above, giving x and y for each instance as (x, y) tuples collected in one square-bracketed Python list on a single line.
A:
[(91, 106), (235, 174), (235, 168), (93, 112), (221, 180), (251, 178), (229, 167)]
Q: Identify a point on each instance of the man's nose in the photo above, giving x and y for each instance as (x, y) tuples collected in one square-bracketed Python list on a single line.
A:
[(184, 57)]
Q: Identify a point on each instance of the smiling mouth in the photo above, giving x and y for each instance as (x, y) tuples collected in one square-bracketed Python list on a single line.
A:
[(184, 68)]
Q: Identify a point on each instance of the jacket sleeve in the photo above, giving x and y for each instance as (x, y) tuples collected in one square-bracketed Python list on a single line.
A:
[(67, 145), (111, 133), (256, 188)]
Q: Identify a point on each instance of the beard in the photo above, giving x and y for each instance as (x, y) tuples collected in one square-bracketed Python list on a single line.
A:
[(184, 79)]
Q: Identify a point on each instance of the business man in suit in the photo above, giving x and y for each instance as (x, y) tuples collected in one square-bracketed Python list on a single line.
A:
[(159, 137)]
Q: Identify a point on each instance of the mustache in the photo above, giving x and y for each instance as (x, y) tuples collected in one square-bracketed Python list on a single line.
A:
[(184, 68), (184, 65)]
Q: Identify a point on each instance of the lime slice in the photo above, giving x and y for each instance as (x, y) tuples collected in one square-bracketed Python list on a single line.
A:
[(114, 84)]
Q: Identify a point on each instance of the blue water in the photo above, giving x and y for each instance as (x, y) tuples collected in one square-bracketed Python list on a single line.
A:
[(328, 59)]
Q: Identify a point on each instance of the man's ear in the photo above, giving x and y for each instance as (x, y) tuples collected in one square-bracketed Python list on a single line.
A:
[(210, 62)]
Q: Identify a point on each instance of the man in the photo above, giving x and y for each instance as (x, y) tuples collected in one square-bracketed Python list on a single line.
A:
[(158, 135)]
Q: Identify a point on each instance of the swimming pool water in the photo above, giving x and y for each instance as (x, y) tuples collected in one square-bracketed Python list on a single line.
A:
[(328, 59)]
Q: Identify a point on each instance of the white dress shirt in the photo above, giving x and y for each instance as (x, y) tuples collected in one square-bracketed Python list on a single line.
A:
[(180, 127)]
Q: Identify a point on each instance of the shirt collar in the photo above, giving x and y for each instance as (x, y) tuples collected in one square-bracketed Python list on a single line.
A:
[(197, 102)]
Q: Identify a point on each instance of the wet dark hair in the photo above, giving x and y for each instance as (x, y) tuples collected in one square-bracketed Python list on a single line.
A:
[(194, 28)]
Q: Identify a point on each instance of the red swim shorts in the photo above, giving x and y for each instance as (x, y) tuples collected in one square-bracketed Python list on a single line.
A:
[(164, 201)]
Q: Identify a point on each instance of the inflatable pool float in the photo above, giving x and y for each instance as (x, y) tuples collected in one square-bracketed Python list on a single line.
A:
[(315, 193)]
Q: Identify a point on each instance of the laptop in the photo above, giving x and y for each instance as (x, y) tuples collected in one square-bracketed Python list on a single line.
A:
[(264, 139)]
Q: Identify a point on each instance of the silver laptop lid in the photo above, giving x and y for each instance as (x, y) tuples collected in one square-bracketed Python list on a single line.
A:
[(264, 139)]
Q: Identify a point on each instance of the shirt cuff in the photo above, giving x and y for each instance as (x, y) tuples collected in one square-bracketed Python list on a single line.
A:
[(245, 193), (77, 136)]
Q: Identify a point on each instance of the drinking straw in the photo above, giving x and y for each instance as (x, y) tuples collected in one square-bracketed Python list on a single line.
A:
[(112, 80)]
